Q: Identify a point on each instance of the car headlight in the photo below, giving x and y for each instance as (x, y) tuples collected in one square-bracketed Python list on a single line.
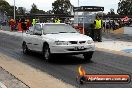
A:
[(90, 41), (61, 43)]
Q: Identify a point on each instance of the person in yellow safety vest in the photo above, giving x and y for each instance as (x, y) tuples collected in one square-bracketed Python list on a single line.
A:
[(98, 29), (57, 21), (34, 22)]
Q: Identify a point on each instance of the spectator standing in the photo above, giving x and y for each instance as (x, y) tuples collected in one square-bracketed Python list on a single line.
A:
[(23, 24), (12, 24), (19, 26), (98, 29), (0, 24), (34, 22), (113, 25), (28, 24)]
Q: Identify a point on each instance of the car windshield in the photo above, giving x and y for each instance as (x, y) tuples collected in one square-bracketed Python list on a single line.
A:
[(58, 28)]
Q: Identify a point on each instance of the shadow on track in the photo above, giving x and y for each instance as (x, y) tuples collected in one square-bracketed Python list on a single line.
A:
[(61, 59)]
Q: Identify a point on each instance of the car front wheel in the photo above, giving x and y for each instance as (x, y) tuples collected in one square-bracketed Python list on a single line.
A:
[(88, 56), (46, 53), (25, 48)]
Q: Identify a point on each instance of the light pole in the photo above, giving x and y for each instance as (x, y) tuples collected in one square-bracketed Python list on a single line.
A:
[(78, 14), (14, 11), (78, 3)]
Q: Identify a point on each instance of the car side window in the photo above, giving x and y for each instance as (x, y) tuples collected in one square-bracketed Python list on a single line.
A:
[(37, 29)]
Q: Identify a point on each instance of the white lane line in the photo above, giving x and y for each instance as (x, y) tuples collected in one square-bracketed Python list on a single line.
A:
[(2, 85)]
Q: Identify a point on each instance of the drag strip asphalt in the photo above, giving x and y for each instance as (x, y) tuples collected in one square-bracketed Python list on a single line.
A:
[(65, 68)]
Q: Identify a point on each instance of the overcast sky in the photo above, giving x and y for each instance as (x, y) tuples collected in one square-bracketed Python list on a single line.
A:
[(47, 4)]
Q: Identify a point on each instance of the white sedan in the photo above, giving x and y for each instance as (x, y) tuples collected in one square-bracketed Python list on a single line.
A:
[(57, 38)]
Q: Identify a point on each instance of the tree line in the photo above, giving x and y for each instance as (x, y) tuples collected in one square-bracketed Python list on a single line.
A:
[(61, 7), (58, 7)]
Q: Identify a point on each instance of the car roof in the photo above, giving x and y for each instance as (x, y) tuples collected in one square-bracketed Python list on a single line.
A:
[(51, 23)]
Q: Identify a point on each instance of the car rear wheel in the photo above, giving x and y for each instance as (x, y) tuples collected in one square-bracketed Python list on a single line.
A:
[(46, 53), (88, 56), (25, 48)]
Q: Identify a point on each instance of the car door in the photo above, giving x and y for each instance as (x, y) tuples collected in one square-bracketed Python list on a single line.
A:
[(29, 35), (37, 41)]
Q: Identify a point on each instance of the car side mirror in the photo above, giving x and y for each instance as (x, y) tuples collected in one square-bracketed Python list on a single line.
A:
[(28, 32)]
